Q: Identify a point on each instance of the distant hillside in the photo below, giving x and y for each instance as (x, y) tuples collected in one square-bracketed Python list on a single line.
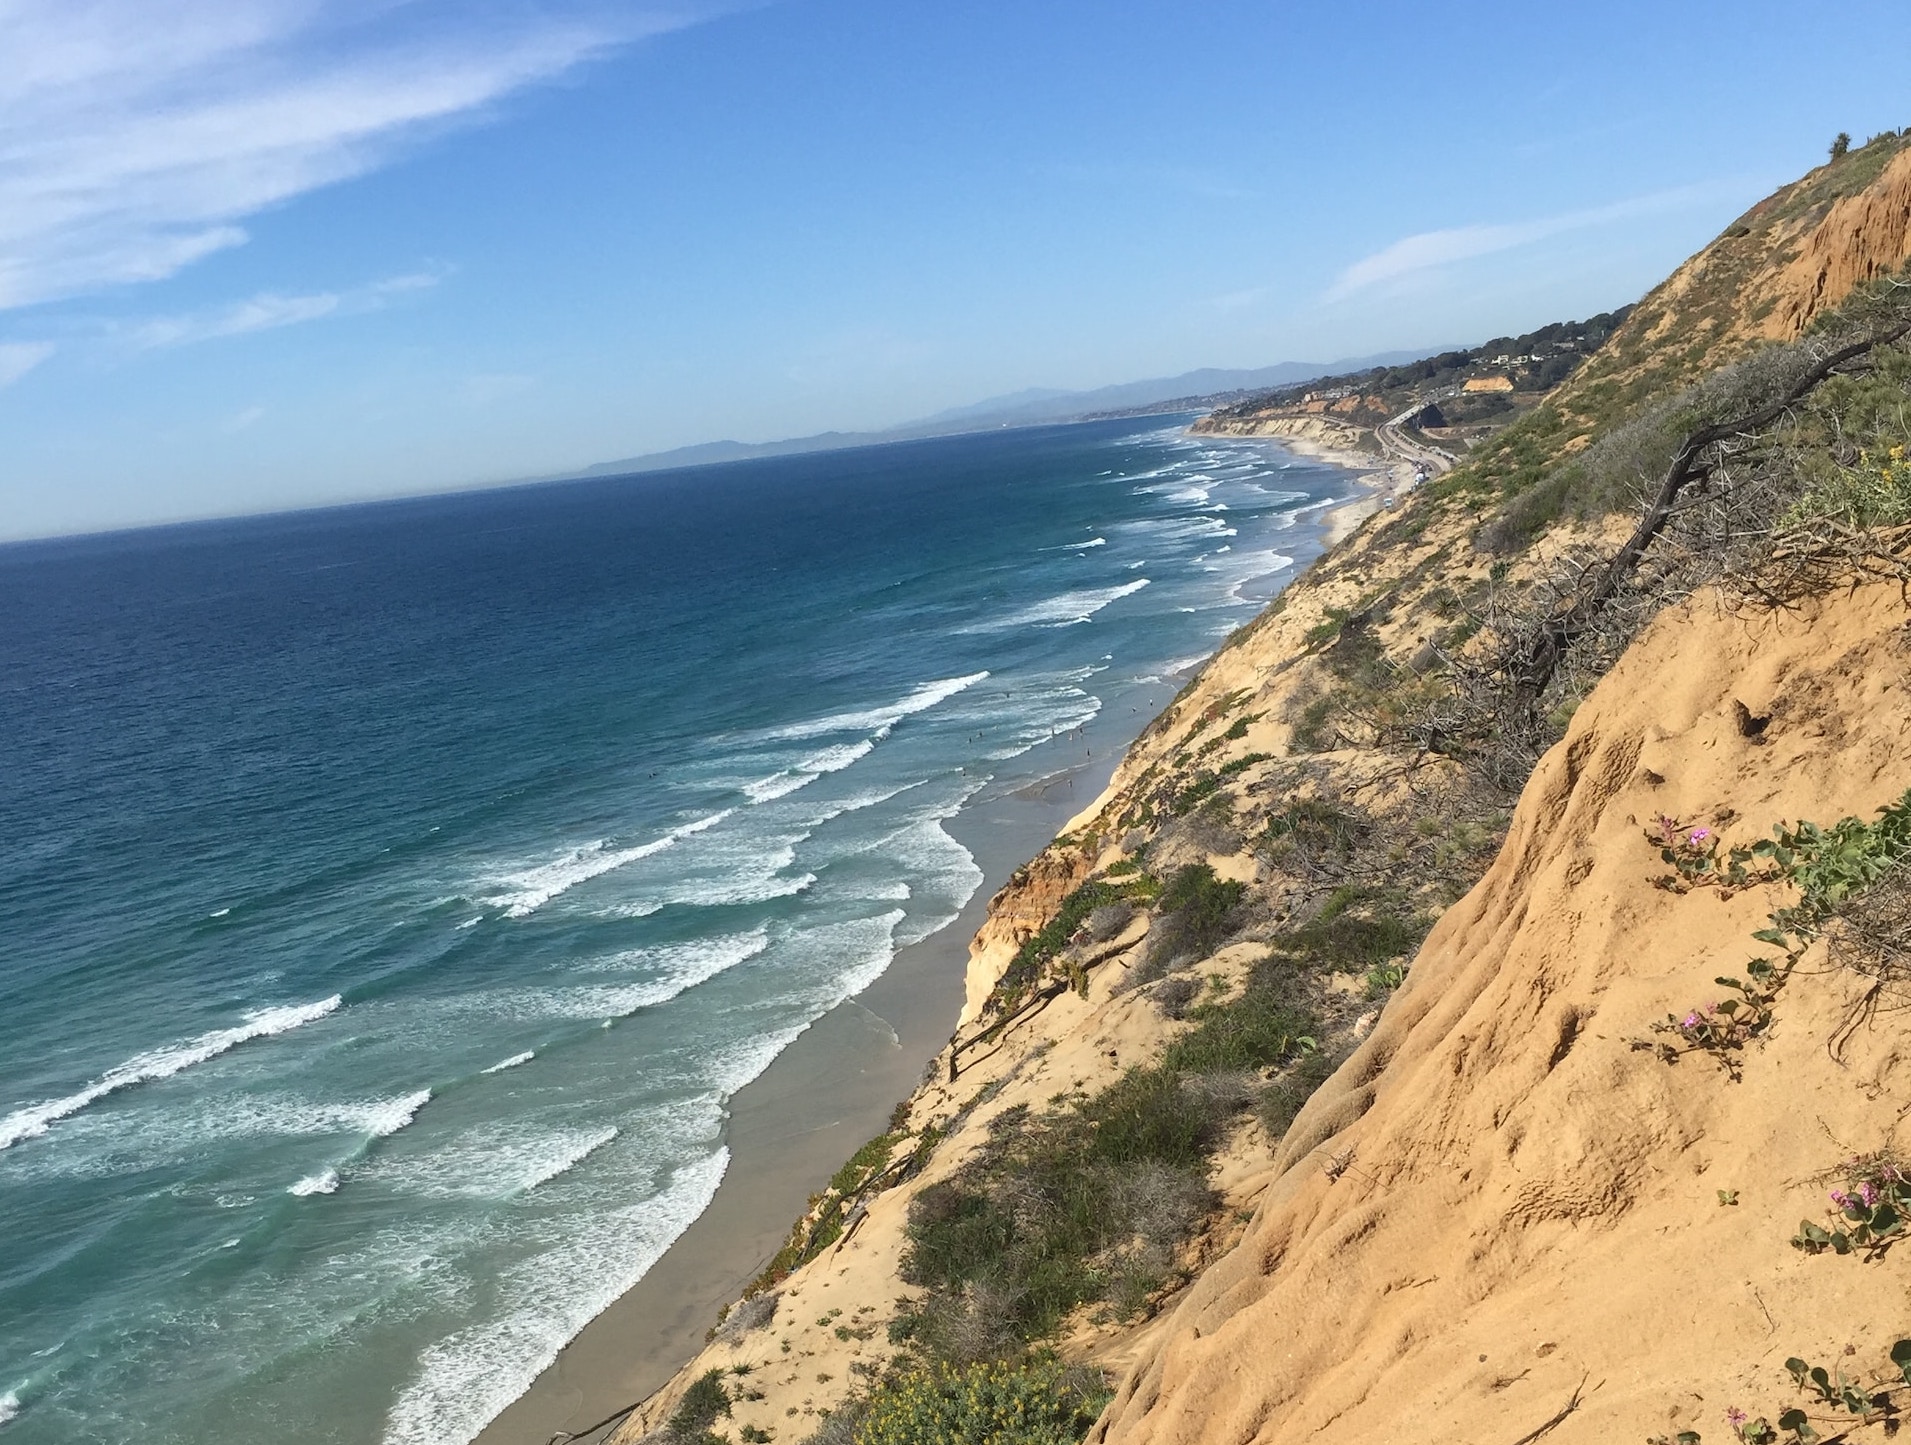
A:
[(1459, 398), (1208, 386), (1025, 408)]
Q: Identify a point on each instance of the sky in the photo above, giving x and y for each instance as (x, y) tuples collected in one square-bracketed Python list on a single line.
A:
[(261, 254)]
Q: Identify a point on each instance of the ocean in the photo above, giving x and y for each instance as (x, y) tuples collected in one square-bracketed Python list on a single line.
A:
[(393, 895)]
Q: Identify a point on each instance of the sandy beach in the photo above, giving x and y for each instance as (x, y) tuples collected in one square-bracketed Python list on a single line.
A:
[(1382, 480)]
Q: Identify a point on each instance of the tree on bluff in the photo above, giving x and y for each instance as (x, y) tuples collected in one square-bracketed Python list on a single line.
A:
[(1840, 144)]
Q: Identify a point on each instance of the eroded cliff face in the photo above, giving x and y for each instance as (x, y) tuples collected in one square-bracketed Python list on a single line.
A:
[(1791, 257), (1860, 238), (1018, 910), (1500, 1205)]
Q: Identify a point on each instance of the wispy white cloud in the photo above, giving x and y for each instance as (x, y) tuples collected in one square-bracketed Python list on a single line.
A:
[(136, 138), (267, 312), (1429, 250), (17, 358)]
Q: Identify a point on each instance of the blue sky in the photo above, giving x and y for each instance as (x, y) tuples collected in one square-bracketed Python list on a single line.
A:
[(268, 253)]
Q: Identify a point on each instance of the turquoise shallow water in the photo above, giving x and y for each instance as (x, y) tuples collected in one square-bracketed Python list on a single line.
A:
[(394, 895)]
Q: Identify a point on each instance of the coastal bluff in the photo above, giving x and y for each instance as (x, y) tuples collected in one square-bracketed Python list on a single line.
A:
[(1470, 924)]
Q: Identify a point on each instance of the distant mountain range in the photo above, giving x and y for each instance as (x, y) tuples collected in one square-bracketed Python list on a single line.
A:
[(1207, 387)]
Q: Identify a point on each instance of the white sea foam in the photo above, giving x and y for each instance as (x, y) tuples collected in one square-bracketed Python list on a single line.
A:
[(394, 1114), (920, 700), (323, 1182), (801, 775), (523, 893), (856, 802), (511, 1063), (467, 1378), (564, 1156), (35, 1119), (493, 1164), (1201, 529), (1057, 712), (267, 1115), (678, 968), (1174, 667), (9, 1406), (1065, 610), (946, 874), (737, 868), (219, 913)]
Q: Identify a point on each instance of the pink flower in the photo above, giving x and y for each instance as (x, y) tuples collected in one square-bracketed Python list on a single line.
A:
[(1698, 836), (1690, 1021), (1868, 1192), (1840, 1198), (1734, 1416)]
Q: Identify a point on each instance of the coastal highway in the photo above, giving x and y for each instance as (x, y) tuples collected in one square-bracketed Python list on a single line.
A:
[(1395, 443)]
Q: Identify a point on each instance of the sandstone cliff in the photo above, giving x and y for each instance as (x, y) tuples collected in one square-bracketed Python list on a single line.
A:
[(1505, 1214), (1498, 1204)]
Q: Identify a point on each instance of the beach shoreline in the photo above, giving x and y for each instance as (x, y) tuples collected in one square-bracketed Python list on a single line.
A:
[(834, 1087), (790, 1128), (1380, 480)]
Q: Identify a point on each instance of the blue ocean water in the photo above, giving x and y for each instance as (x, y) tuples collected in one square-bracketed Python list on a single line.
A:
[(393, 895)]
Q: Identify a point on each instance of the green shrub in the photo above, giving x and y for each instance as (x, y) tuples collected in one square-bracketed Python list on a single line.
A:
[(699, 1408), (864, 1164), (1383, 978), (1310, 730), (1262, 1028), (1038, 1403), (1282, 1100), (1083, 1203), (1315, 829), (1201, 906), (1342, 939)]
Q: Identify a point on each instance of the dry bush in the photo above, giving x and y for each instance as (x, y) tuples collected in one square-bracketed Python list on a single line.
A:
[(1108, 921), (1872, 934), (750, 1314), (1161, 1207), (1173, 995), (969, 1327), (839, 1425), (1224, 1091), (1211, 829)]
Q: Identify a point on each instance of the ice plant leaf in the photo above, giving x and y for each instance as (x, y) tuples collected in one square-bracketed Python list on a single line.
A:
[(1901, 1357)]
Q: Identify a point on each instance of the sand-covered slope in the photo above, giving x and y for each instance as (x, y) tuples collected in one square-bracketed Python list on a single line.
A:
[(1499, 1204)]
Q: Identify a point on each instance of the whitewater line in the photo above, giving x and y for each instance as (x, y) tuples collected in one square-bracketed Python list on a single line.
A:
[(35, 1119)]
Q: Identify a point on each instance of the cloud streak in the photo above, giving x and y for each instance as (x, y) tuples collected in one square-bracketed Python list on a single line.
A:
[(1429, 250), (136, 139), (267, 312), (17, 358)]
